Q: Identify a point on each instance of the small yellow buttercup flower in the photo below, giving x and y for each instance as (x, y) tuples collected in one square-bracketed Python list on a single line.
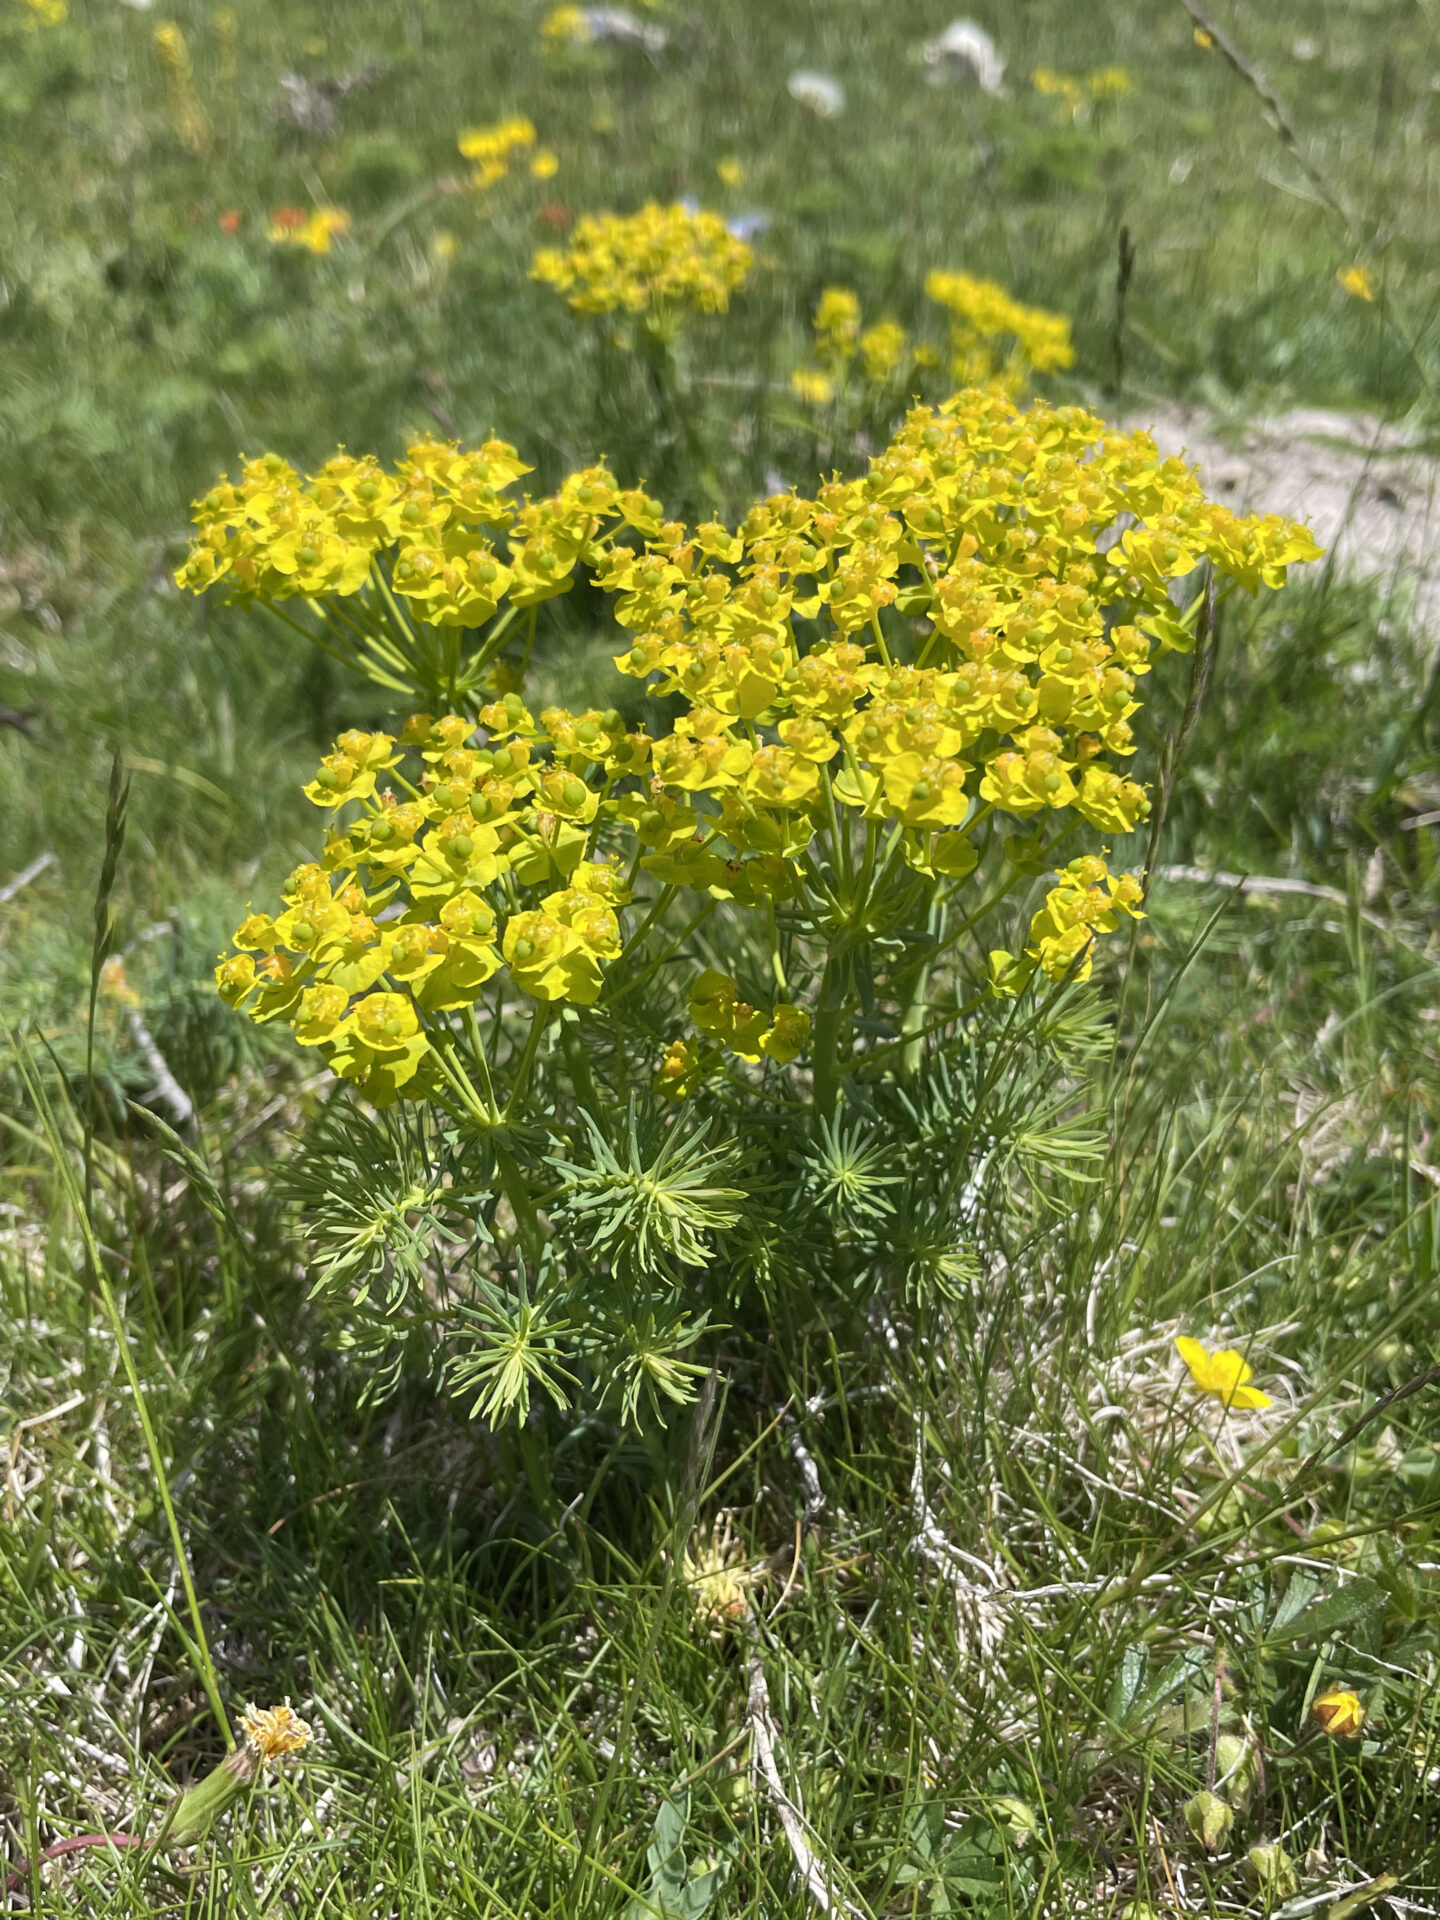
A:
[(544, 164), (1339, 1713), (1357, 282), (730, 171), (1224, 1374)]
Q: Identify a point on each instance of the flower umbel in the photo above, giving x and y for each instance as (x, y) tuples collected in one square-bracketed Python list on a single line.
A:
[(659, 257)]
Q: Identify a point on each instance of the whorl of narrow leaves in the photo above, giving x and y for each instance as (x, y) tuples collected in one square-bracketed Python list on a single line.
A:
[(650, 1199)]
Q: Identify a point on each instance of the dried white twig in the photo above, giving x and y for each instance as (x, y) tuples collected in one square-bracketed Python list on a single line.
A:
[(167, 1087), (26, 874), (1263, 883), (762, 1745), (811, 1490)]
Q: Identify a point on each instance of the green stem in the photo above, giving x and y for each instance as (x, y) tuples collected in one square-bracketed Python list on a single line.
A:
[(825, 1039), (477, 1051), (200, 1648), (582, 1079), (648, 973), (539, 1021), (912, 1027)]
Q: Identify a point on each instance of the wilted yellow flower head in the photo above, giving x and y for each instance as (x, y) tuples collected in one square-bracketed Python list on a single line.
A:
[(274, 1732), (716, 1577), (1338, 1713), (1223, 1374), (187, 116)]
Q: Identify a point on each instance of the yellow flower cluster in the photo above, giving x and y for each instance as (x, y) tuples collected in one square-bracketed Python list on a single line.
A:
[(657, 259), (1079, 91), (840, 341), (315, 232), (187, 116), (837, 325), (492, 148), (454, 544), (1088, 900), (44, 13), (732, 1025), (998, 686), (983, 317)]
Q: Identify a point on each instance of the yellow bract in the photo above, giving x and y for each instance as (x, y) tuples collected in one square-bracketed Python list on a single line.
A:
[(1223, 1374), (658, 258)]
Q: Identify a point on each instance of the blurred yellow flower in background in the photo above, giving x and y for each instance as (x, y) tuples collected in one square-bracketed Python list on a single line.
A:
[(491, 148), (812, 386), (292, 227), (1357, 282), (564, 23)]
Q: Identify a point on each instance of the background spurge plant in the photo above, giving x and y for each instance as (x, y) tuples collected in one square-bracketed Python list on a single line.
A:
[(883, 715)]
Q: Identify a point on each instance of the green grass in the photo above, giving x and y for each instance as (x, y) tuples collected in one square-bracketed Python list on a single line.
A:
[(993, 1662)]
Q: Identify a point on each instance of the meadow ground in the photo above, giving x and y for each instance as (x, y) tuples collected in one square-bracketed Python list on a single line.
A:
[(1020, 1596)]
